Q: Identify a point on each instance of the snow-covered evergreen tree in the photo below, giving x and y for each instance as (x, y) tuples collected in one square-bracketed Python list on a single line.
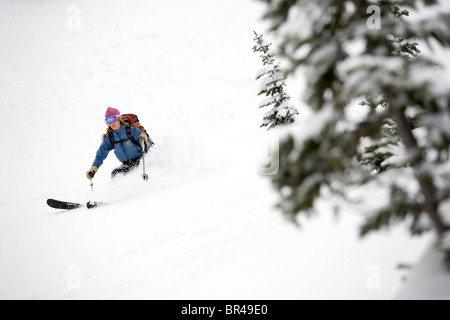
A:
[(272, 86), (400, 141)]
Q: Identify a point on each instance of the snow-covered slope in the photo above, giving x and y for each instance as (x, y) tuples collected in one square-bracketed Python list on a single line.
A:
[(204, 226)]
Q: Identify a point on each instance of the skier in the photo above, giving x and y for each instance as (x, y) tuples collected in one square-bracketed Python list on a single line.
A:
[(129, 144)]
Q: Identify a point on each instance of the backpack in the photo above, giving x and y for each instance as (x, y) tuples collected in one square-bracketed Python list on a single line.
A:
[(130, 120)]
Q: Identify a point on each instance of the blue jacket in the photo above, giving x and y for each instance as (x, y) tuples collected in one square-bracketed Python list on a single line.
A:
[(124, 151)]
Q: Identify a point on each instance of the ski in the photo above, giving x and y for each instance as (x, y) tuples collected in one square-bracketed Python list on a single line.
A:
[(65, 205), (93, 204)]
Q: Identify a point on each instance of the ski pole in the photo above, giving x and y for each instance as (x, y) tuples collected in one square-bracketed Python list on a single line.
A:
[(144, 175), (92, 186)]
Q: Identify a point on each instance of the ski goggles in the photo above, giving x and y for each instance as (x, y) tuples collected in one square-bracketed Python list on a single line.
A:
[(112, 119)]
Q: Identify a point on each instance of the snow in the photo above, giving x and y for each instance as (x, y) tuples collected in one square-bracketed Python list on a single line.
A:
[(298, 21), (204, 226)]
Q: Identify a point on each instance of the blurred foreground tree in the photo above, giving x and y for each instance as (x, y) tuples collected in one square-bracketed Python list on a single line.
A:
[(397, 139), (272, 86)]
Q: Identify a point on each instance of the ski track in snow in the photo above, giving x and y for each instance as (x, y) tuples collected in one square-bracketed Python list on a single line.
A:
[(204, 225)]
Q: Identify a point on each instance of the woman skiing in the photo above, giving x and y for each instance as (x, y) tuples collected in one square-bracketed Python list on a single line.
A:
[(129, 144)]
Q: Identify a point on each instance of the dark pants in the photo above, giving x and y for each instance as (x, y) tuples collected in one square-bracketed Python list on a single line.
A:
[(126, 167)]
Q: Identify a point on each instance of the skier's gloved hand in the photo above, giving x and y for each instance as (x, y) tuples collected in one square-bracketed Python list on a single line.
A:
[(91, 173), (144, 141)]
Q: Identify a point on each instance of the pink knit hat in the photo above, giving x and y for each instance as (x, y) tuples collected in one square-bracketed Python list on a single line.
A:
[(111, 112)]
